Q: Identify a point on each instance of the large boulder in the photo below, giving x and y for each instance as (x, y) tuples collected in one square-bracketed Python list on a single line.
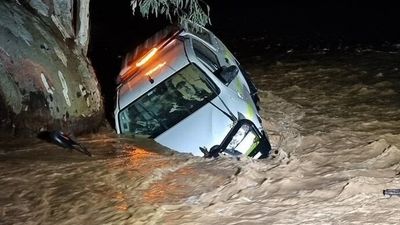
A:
[(46, 80)]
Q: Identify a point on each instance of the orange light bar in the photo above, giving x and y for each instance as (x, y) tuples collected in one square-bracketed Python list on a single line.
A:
[(155, 68), (146, 57)]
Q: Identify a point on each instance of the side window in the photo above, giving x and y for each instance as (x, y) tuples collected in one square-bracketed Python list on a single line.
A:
[(205, 55), (199, 32)]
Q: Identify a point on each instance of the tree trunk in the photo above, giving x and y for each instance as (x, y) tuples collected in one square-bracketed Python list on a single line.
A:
[(46, 80)]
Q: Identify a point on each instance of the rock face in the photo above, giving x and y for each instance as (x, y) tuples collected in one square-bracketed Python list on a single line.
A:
[(46, 80)]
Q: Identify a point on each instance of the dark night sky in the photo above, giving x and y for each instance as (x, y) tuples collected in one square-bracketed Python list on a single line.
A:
[(352, 20)]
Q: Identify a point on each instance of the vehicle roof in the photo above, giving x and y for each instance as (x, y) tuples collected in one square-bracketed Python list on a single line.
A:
[(169, 58), (162, 65), (169, 32), (148, 44)]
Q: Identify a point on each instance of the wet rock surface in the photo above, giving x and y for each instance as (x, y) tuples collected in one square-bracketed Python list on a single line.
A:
[(46, 80)]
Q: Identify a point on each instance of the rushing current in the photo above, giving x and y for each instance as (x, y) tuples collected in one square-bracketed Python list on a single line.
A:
[(333, 118)]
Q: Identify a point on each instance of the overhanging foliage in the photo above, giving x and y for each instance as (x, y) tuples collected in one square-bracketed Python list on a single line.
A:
[(174, 9)]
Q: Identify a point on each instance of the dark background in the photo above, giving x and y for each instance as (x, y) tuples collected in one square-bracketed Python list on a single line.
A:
[(361, 21), (286, 24)]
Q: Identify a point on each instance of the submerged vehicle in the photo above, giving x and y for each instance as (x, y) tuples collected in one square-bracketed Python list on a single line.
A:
[(183, 88)]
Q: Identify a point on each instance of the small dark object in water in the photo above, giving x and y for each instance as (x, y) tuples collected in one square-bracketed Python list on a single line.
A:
[(391, 192), (61, 139)]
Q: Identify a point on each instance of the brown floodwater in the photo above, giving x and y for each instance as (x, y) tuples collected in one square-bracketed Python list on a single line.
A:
[(334, 124)]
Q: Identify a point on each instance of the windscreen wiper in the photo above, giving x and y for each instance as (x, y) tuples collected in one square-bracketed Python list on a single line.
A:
[(230, 115)]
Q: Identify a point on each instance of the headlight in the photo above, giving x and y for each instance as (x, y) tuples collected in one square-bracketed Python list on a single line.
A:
[(244, 141), (239, 136)]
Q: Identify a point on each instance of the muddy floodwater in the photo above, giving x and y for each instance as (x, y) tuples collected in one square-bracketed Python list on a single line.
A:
[(334, 123)]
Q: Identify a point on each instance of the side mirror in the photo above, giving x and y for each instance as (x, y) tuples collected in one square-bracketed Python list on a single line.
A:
[(229, 73)]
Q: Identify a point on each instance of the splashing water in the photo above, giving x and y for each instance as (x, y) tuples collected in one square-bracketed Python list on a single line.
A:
[(334, 125)]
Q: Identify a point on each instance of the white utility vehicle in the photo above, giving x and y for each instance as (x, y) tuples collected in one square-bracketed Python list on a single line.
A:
[(184, 89)]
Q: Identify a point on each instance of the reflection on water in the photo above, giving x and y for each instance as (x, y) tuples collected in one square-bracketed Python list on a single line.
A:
[(334, 127), (172, 187), (122, 204), (44, 184)]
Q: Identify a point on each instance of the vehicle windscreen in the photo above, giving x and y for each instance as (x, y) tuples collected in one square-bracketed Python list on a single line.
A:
[(168, 103)]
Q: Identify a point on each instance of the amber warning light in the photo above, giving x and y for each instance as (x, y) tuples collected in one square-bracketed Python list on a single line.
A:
[(146, 57), (127, 74)]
